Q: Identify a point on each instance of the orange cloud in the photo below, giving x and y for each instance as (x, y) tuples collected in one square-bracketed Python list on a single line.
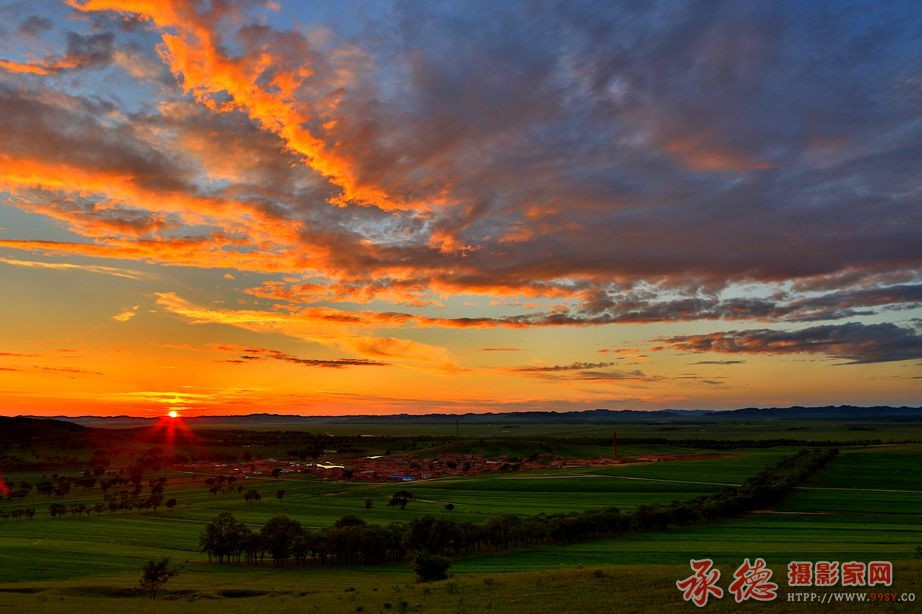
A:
[(255, 84), (125, 189), (32, 69), (215, 250), (701, 156), (126, 314), (329, 327)]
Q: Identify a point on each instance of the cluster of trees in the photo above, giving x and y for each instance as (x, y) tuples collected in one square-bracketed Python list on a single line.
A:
[(59, 510), (353, 542), (19, 491), (131, 497), (18, 513), (349, 542), (62, 486), (120, 493), (221, 484)]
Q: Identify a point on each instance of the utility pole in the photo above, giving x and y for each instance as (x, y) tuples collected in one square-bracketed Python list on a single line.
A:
[(614, 444)]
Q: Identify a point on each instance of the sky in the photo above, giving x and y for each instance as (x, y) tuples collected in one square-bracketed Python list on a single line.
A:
[(233, 206)]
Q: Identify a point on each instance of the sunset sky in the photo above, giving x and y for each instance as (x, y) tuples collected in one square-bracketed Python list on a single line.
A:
[(381, 207)]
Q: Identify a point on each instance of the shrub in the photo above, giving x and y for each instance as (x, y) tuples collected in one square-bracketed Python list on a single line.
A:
[(430, 567)]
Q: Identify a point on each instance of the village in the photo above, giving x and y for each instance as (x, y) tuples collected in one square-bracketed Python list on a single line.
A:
[(405, 468)]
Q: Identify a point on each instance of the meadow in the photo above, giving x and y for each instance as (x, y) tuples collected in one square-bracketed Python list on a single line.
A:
[(864, 506)]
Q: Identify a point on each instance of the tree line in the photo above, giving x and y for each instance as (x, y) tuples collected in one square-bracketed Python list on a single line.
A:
[(353, 542)]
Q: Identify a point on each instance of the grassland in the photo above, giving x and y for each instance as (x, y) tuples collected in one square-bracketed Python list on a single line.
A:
[(610, 588), (102, 544), (847, 512), (866, 506)]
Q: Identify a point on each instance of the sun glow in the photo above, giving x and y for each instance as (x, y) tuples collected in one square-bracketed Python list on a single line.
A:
[(173, 413)]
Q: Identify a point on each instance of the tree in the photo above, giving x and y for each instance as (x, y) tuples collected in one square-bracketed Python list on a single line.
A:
[(278, 535), (430, 567), (400, 499), (154, 574), (252, 495), (368, 504), (449, 507), (170, 504), (45, 487), (155, 500), (279, 494), (350, 520)]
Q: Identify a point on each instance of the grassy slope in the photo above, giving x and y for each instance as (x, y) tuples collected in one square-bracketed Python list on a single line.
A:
[(623, 588)]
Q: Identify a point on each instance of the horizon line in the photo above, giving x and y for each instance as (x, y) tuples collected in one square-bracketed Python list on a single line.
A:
[(469, 413)]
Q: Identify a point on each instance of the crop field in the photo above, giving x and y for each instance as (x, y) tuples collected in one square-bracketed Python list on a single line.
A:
[(850, 511), (867, 505)]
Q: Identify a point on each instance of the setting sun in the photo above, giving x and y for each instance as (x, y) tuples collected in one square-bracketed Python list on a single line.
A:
[(173, 414)]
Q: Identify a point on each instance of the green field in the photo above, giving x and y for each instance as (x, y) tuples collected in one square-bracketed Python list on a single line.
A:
[(592, 588), (867, 505), (122, 541), (845, 513)]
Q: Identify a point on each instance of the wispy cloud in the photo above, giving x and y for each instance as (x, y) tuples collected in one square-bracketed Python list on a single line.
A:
[(126, 314), (718, 362), (258, 354), (573, 366), (332, 328), (66, 266), (69, 370)]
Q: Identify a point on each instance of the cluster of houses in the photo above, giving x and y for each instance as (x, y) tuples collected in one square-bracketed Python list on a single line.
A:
[(395, 468)]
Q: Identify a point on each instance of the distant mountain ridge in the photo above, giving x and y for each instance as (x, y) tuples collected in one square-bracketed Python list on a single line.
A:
[(591, 416), (51, 430)]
